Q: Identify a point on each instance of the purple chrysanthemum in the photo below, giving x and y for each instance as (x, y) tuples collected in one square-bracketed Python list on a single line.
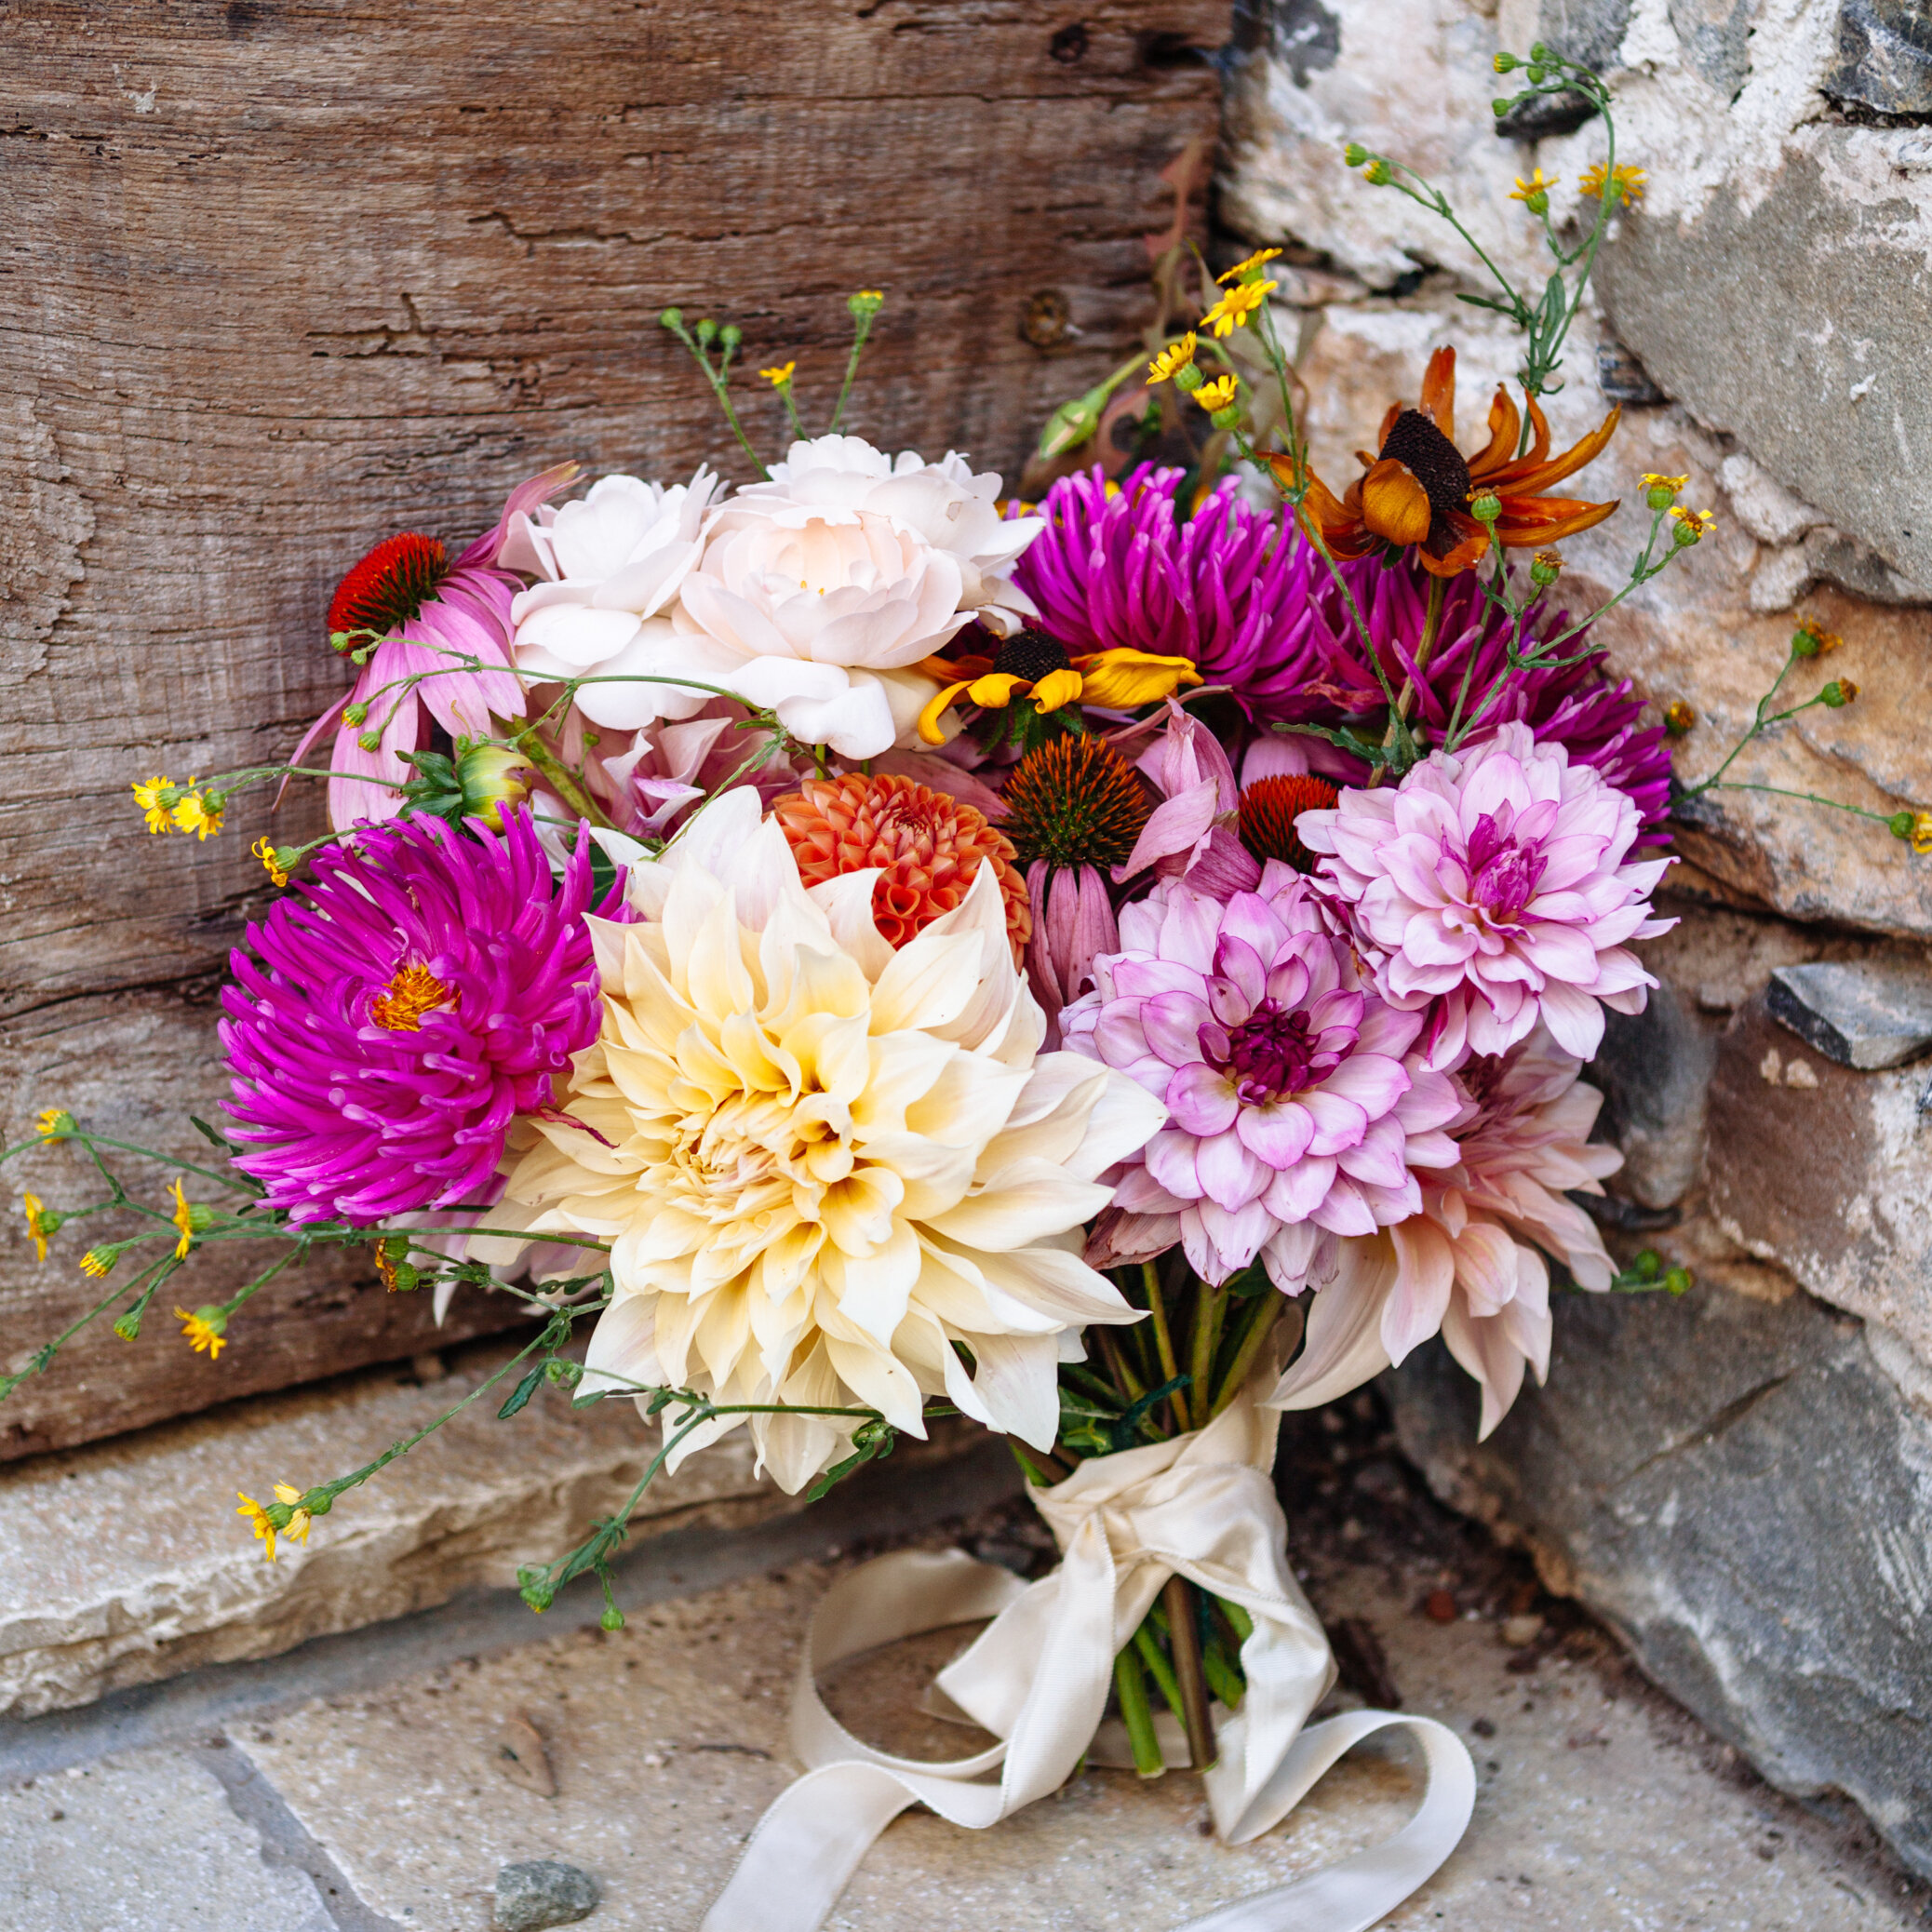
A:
[(1258, 610), (383, 1035)]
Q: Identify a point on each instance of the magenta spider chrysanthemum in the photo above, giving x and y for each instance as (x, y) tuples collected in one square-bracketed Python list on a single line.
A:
[(1258, 610), (1296, 1109), (1496, 886), (383, 1035)]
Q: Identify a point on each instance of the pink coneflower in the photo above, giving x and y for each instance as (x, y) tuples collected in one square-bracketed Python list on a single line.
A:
[(383, 1035), (1472, 1263), (1495, 883), (1296, 1109), (432, 613)]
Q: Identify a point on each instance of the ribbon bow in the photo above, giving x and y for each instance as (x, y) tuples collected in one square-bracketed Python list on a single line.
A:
[(1201, 1505)]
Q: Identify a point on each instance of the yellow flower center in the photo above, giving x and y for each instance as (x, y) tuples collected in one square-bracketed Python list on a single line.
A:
[(414, 991)]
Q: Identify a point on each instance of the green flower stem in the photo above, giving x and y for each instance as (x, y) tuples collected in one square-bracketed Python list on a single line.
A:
[(1137, 1713), (1224, 1679), (559, 774), (1163, 1344), (1154, 1660), (1125, 1380), (1735, 785), (1261, 1325), (1209, 1305), (861, 333)]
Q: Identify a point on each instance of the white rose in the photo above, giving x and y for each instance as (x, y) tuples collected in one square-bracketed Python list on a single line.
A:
[(610, 566)]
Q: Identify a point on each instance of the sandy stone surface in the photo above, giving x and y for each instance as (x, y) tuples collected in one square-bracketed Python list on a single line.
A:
[(1600, 1804)]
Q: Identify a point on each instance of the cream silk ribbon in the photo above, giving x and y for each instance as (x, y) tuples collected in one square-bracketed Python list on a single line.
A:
[(1038, 1678)]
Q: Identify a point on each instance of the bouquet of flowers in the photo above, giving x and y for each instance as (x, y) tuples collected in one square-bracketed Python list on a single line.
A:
[(1111, 967)]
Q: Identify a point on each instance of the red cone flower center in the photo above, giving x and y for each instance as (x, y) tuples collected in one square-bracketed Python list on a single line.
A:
[(1269, 808), (390, 584)]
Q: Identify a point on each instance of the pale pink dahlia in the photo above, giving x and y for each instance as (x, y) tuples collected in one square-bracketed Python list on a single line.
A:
[(1495, 880), (1471, 1263), (1297, 1109)]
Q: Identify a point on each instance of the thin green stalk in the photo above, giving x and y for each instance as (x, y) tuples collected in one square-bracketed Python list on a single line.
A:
[(1209, 1306), (1147, 1644), (1163, 1344), (1138, 1714), (1261, 1324)]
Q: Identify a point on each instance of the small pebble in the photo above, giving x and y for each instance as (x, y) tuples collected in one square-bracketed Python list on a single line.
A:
[(543, 1892), (1519, 1632)]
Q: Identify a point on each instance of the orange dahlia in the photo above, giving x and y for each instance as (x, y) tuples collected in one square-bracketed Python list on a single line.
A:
[(928, 845), (1419, 485)]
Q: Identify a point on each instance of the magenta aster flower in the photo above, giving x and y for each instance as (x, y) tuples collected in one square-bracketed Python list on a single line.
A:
[(1496, 883), (1472, 1263), (1258, 610), (1296, 1109), (382, 1035)]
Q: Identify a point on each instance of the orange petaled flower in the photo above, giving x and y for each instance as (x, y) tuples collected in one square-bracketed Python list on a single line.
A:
[(1418, 484), (1031, 664), (927, 846)]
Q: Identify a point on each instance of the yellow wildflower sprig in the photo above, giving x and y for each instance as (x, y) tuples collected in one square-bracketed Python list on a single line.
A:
[(1626, 184), (780, 377)]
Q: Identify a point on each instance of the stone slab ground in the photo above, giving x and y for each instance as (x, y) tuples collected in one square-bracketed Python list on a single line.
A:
[(361, 1783)]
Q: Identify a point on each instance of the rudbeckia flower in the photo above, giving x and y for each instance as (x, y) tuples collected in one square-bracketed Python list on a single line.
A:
[(1418, 484), (1036, 666)]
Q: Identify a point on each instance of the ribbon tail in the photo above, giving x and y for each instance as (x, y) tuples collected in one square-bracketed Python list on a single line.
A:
[(1357, 1891)]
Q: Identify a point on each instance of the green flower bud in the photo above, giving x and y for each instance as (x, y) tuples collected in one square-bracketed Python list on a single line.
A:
[(1536, 75), (707, 332), (1678, 1281), (671, 318), (370, 740), (613, 1619), (128, 1327), (731, 335), (1900, 824), (1354, 155), (1188, 377), (1505, 63), (1485, 506), (1648, 1264), (1499, 107), (1228, 418), (483, 773), (1838, 693), (1540, 53), (1546, 566), (355, 714), (337, 640), (866, 302), (1378, 174)]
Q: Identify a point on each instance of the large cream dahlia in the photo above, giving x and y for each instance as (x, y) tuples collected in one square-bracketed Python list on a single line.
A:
[(825, 1167)]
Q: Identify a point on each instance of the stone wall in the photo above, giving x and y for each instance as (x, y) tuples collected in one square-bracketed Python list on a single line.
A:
[(1742, 1484)]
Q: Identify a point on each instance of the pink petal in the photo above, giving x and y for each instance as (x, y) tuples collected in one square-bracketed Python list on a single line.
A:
[(1278, 1133), (1201, 1101)]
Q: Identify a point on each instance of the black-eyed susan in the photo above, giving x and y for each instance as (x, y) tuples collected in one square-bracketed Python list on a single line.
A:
[(1033, 664)]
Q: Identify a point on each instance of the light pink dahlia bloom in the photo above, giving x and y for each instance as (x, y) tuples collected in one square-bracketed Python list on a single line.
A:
[(1472, 1263), (1297, 1109), (1497, 881)]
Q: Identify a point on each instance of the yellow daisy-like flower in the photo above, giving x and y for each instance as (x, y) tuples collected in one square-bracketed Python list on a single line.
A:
[(1174, 356), (1252, 262), (183, 1218), (258, 1517), (148, 797), (270, 862), (1692, 524), (191, 814), (1218, 394), (54, 1123), (36, 1228), (779, 374), (297, 1525), (1035, 666), (1922, 833), (1625, 182), (202, 1331), (1236, 307), (832, 1173), (1653, 481), (1821, 640), (1539, 183)]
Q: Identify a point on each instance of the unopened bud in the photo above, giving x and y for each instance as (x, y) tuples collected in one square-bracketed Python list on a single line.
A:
[(128, 1327), (1500, 107), (1647, 1264), (337, 640), (707, 332), (1485, 506), (355, 714), (1678, 1280), (1506, 63), (1900, 824), (1378, 174), (613, 1619), (1537, 75), (1188, 377), (1354, 155), (1677, 717), (731, 335), (1539, 52), (370, 740), (1546, 566), (671, 318), (1838, 693)]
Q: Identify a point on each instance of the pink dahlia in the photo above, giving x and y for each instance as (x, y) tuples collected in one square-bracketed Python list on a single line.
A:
[(1496, 881), (1471, 1263), (1297, 1109), (383, 1035)]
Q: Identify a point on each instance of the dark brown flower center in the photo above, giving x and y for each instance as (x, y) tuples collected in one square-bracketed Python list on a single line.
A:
[(1032, 655), (1435, 462)]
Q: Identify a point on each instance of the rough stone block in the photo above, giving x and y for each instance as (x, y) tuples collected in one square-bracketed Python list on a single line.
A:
[(1884, 56), (1747, 1496), (1826, 1172), (1862, 1016)]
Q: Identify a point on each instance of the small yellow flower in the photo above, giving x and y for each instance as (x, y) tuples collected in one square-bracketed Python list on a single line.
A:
[(185, 1220), (1819, 639), (1253, 262), (54, 1123), (1537, 186), (1175, 356), (258, 1517), (100, 1262), (148, 797), (36, 1227), (202, 1331), (299, 1523), (1234, 309), (266, 853), (1117, 679), (1692, 524), (1653, 481), (779, 374), (1218, 394), (1677, 717), (1625, 182), (1922, 833), (193, 814)]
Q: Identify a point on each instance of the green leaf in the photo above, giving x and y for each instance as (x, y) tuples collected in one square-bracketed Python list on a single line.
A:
[(522, 1393)]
